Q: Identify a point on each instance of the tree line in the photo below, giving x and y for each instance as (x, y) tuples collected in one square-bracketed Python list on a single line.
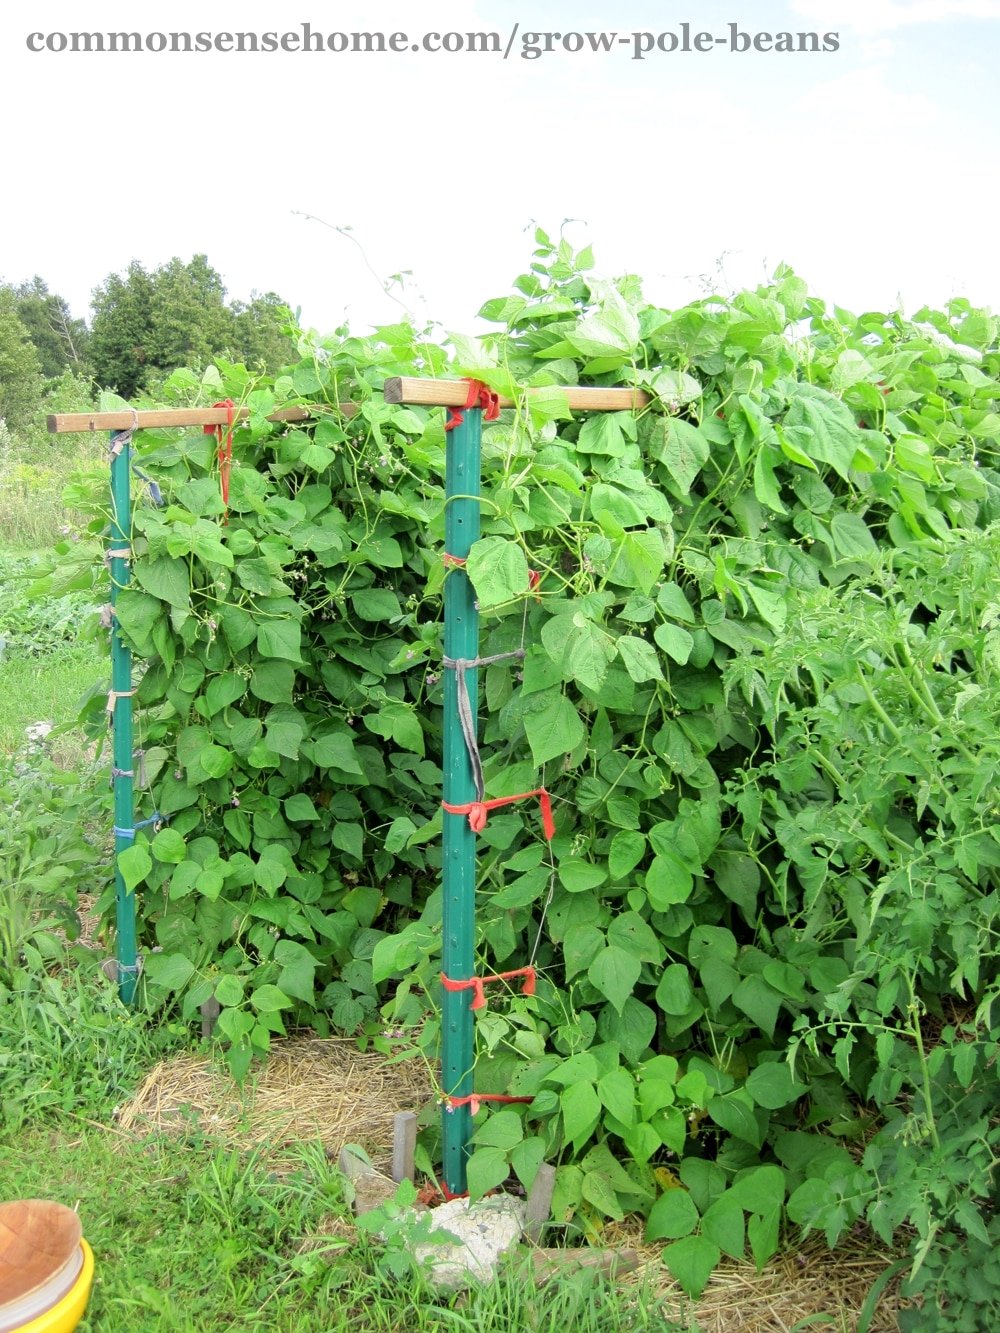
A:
[(143, 325)]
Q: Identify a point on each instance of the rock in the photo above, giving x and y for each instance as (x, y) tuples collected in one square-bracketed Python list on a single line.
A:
[(482, 1231)]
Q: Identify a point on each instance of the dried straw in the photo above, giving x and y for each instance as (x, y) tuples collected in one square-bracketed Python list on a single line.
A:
[(313, 1089), (309, 1089), (809, 1288)]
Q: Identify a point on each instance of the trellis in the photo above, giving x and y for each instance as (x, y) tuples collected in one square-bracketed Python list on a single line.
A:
[(465, 808)]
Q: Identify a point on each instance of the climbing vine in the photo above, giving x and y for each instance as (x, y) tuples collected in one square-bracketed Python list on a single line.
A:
[(761, 657)]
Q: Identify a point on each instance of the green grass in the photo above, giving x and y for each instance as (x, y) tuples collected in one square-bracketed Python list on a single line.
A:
[(192, 1236), (32, 482), (48, 689), (45, 667)]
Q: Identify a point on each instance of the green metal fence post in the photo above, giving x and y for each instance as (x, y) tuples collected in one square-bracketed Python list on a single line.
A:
[(458, 876), (121, 714)]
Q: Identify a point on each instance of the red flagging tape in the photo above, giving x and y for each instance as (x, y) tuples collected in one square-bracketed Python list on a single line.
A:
[(478, 984), (478, 396), (447, 1194), (475, 1100), (224, 434), (478, 811), (454, 561)]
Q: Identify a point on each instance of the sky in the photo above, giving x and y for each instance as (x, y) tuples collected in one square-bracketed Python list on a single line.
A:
[(873, 169)]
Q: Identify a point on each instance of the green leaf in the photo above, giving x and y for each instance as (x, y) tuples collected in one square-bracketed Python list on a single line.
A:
[(760, 1190), (165, 578), (771, 1085), (668, 881), (581, 649), (770, 604), (684, 452), (171, 971), (269, 999), (673, 603), (376, 604), (169, 846), (581, 1111), (852, 536), (224, 690), (298, 967), (627, 850), (615, 972), (498, 570), (486, 1169), (675, 641), (336, 753), (553, 730), (581, 876), (617, 1093), (280, 638), (602, 434), (134, 863), (763, 1232), (503, 1129), (229, 989), (215, 761), (526, 1158), (640, 658), (273, 682), (722, 1224), (675, 994), (692, 1262), (350, 838), (828, 431), (630, 932), (598, 1191), (671, 1216), (615, 510), (733, 1112), (640, 564), (758, 1001), (580, 947)]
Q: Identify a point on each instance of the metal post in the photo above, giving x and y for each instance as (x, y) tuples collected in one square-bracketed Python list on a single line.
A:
[(121, 685), (461, 640)]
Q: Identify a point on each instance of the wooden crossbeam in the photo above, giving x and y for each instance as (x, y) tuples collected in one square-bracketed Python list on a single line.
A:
[(65, 422), (453, 393)]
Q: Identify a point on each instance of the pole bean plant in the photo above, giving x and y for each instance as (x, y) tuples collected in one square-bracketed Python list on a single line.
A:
[(761, 681)]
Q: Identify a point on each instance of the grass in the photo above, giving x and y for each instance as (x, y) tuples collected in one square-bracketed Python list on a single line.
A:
[(49, 689), (32, 480), (189, 1235), (45, 667)]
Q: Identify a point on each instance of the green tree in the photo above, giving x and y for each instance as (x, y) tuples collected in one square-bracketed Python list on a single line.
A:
[(20, 372), (147, 323), (259, 337), (60, 340), (122, 330)]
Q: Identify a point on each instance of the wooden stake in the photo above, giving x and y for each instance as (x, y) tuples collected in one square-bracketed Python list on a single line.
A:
[(210, 1011), (65, 422), (538, 1212), (404, 1144), (453, 393)]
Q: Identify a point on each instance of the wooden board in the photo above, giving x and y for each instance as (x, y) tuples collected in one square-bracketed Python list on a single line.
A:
[(553, 1264), (65, 422), (453, 393), (38, 1238)]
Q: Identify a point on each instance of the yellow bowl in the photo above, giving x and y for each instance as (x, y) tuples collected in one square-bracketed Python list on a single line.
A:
[(64, 1316)]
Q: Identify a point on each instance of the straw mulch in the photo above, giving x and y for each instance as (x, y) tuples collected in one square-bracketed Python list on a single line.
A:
[(308, 1089), (794, 1291), (313, 1089)]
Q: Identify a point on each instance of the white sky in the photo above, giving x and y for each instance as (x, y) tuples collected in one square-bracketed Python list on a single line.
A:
[(873, 170)]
